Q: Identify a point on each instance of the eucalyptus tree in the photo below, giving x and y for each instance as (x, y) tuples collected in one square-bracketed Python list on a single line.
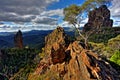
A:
[(74, 15)]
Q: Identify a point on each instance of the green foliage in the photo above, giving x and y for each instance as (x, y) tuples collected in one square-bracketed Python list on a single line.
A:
[(104, 35), (73, 11), (116, 57), (70, 13), (114, 43), (14, 60), (75, 14), (42, 54), (101, 37), (106, 49)]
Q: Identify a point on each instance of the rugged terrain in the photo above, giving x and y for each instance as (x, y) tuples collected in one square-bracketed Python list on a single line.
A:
[(65, 60), (53, 55)]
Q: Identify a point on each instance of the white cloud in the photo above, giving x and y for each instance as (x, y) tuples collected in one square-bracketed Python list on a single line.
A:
[(115, 12), (15, 28), (49, 1), (45, 20), (58, 12), (116, 21), (115, 8), (83, 22), (27, 15), (1, 25), (65, 24), (21, 10)]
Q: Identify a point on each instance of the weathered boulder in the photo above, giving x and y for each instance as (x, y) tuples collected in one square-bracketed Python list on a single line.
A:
[(99, 17), (18, 40)]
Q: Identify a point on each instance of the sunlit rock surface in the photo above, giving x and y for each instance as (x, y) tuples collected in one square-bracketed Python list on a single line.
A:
[(70, 61)]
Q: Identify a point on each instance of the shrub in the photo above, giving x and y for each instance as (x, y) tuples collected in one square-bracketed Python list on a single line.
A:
[(106, 49), (116, 57), (14, 60), (114, 43)]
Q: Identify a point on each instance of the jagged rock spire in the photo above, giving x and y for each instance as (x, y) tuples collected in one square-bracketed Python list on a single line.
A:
[(99, 17), (70, 61), (18, 40)]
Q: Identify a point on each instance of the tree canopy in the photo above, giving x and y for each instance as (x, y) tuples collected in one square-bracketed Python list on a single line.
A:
[(74, 15), (74, 12)]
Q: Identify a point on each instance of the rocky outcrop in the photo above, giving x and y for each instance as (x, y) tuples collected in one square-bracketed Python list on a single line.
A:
[(72, 62), (99, 17), (18, 40), (55, 41)]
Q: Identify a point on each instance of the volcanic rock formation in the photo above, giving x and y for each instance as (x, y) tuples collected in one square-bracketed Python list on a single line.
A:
[(55, 41), (70, 61), (99, 17), (18, 40)]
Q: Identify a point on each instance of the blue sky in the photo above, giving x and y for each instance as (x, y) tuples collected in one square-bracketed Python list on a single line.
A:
[(64, 3), (29, 15)]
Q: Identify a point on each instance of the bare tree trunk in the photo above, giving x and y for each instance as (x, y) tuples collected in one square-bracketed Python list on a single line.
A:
[(79, 31), (83, 37), (86, 43)]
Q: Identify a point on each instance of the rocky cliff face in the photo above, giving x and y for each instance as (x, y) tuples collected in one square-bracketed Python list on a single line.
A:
[(55, 41), (70, 61), (18, 40), (99, 17)]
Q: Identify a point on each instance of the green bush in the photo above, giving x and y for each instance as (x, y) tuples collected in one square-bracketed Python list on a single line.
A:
[(14, 60), (104, 35), (116, 57), (114, 43), (106, 49)]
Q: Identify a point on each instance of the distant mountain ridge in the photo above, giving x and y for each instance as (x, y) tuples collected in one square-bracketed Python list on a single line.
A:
[(35, 38), (29, 38)]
